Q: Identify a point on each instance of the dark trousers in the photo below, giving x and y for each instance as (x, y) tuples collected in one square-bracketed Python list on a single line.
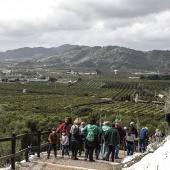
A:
[(52, 146), (74, 152), (89, 152), (142, 147), (130, 149), (111, 150)]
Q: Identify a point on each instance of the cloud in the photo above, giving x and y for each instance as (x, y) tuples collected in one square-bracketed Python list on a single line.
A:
[(135, 24)]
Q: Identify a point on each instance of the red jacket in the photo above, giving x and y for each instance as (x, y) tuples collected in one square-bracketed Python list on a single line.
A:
[(65, 127)]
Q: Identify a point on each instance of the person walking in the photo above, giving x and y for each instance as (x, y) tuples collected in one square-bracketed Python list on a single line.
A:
[(112, 139), (105, 128), (133, 128), (65, 144), (130, 140), (75, 132), (122, 135), (143, 134), (83, 137), (52, 138), (98, 141), (92, 131)]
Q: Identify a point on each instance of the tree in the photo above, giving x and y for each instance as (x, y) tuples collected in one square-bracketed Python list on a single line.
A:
[(98, 71), (52, 79), (142, 77)]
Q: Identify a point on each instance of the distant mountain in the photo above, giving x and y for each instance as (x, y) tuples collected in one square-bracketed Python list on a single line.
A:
[(96, 57), (35, 52)]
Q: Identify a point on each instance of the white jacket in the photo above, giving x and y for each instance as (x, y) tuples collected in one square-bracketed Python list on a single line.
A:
[(64, 140)]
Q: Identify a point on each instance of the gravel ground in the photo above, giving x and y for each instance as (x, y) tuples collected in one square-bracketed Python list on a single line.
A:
[(60, 163)]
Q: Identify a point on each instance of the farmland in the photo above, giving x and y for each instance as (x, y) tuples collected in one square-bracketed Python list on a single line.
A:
[(48, 103)]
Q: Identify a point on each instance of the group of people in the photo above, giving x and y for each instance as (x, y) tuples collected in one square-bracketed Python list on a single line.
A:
[(97, 138)]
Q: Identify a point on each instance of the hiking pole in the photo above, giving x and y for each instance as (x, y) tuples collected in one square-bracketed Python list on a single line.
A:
[(60, 143)]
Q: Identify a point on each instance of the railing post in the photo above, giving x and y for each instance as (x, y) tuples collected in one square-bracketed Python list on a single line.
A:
[(13, 150), (26, 144), (39, 143)]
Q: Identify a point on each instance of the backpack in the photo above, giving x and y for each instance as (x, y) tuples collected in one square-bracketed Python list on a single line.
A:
[(90, 136), (76, 132)]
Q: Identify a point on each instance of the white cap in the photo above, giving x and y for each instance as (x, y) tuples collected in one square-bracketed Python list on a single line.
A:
[(132, 123), (106, 123)]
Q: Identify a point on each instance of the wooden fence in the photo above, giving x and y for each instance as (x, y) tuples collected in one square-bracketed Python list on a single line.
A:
[(27, 148)]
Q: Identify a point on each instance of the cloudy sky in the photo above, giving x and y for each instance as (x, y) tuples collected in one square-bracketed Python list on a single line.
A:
[(136, 24)]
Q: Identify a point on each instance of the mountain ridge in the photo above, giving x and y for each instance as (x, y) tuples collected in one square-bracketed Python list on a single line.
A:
[(115, 57)]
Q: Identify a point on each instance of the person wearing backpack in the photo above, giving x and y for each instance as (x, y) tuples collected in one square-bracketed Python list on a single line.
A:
[(75, 132), (130, 139), (52, 138), (92, 133), (132, 126)]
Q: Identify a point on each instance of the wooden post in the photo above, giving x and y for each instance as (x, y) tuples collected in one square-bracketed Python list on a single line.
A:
[(26, 144), (39, 143), (13, 150)]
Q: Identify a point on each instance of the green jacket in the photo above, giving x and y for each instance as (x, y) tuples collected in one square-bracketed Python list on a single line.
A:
[(97, 129), (112, 137)]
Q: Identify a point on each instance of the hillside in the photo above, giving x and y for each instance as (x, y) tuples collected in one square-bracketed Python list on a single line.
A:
[(114, 57), (32, 53)]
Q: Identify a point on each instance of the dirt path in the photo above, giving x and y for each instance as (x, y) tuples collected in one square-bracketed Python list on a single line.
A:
[(66, 163)]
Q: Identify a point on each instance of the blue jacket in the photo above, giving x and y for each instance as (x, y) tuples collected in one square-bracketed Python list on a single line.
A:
[(143, 133)]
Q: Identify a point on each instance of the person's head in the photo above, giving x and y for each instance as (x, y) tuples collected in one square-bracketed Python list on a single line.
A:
[(106, 123), (53, 129), (117, 125), (66, 120), (92, 121), (98, 123), (63, 132), (132, 123), (77, 121), (125, 128), (113, 125), (157, 130), (83, 124)]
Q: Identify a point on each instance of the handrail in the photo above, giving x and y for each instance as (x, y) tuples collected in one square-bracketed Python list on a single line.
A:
[(26, 150)]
